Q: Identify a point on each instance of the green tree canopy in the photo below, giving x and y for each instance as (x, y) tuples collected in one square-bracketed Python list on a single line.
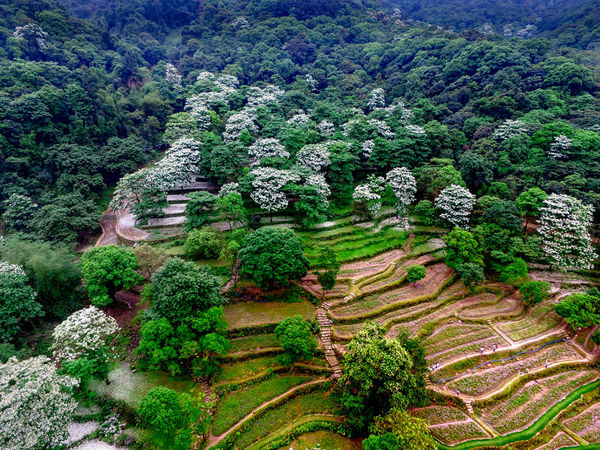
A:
[(534, 292), (296, 339)]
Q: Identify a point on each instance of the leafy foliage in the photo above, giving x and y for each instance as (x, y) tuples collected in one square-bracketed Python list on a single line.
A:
[(296, 339), (534, 292)]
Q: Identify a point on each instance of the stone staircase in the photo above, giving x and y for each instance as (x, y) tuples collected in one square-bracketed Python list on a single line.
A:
[(325, 327), (469, 407)]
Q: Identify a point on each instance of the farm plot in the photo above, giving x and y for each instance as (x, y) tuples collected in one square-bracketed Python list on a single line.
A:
[(245, 369), (456, 432), (236, 405), (496, 374), (437, 276), (278, 418), (397, 275), (511, 305), (249, 343), (435, 415), (456, 338), (561, 440), (540, 319), (586, 424), (533, 399), (363, 269), (249, 314)]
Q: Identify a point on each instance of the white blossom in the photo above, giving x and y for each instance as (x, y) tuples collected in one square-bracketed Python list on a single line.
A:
[(266, 148), (319, 181), (403, 183), (229, 188), (376, 99), (267, 96), (383, 129), (415, 130), (370, 194), (35, 405), (455, 204), (510, 128), (268, 187), (564, 228), (7, 268), (367, 148), (227, 83), (83, 331), (312, 83), (32, 31), (240, 23), (314, 156), (205, 76), (172, 75), (326, 128), (559, 146), (238, 122), (299, 118)]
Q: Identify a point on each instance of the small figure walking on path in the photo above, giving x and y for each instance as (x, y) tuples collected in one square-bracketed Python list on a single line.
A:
[(481, 350), (546, 364), (495, 347), (330, 322)]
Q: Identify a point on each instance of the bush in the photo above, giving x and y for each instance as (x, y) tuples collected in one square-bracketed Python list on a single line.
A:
[(296, 339), (535, 291), (204, 243), (515, 273)]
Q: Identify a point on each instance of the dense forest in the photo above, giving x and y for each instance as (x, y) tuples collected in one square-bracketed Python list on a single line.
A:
[(388, 122)]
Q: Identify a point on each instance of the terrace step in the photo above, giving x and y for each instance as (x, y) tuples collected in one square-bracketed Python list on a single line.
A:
[(469, 407), (177, 198)]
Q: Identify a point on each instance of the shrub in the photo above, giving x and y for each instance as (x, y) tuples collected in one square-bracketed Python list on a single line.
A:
[(204, 243), (535, 291), (296, 339)]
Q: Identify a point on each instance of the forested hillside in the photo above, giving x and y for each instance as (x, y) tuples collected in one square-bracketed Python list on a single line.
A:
[(272, 223)]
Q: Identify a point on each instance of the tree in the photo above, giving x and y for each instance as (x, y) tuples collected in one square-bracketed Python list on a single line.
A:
[(425, 211), (565, 223), (149, 259), (174, 417), (379, 374), (231, 207), (530, 201), (387, 441), (199, 209), (36, 405), (266, 148), (181, 288), (191, 346), (462, 247), (151, 205), (315, 157), (454, 205), (18, 212), (295, 337), (580, 310), (515, 273), (271, 256), (340, 174), (471, 274), (596, 338), (52, 270), (415, 273), (83, 337), (329, 262), (410, 432), (311, 205), (268, 185), (504, 213), (205, 243), (17, 301), (106, 270), (534, 292), (404, 186), (367, 197)]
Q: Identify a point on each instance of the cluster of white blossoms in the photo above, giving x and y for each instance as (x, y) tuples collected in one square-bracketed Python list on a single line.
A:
[(266, 148), (35, 407), (238, 122), (267, 187), (383, 129), (370, 194), (314, 157), (403, 183), (367, 148), (564, 227), (376, 99), (510, 128), (318, 180), (559, 146), (240, 23), (178, 168), (172, 75), (415, 130), (313, 85), (229, 188), (270, 95), (83, 331), (8, 269), (299, 118), (455, 204), (32, 31), (326, 128)]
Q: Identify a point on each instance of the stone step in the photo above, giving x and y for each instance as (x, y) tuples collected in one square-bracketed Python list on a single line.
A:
[(164, 222), (177, 198)]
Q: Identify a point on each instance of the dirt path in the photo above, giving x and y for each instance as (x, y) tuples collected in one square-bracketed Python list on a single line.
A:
[(108, 223), (214, 440), (325, 328)]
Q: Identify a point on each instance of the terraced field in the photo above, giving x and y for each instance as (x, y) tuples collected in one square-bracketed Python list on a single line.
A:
[(502, 372)]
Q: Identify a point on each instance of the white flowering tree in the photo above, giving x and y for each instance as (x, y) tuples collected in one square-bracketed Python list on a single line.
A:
[(269, 95), (510, 128), (83, 333), (367, 148), (266, 148), (229, 188), (36, 405), (172, 75), (326, 128), (239, 122), (564, 227), (376, 99), (368, 196), (454, 205), (403, 183), (314, 157), (559, 146), (382, 128), (268, 187), (415, 130)]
